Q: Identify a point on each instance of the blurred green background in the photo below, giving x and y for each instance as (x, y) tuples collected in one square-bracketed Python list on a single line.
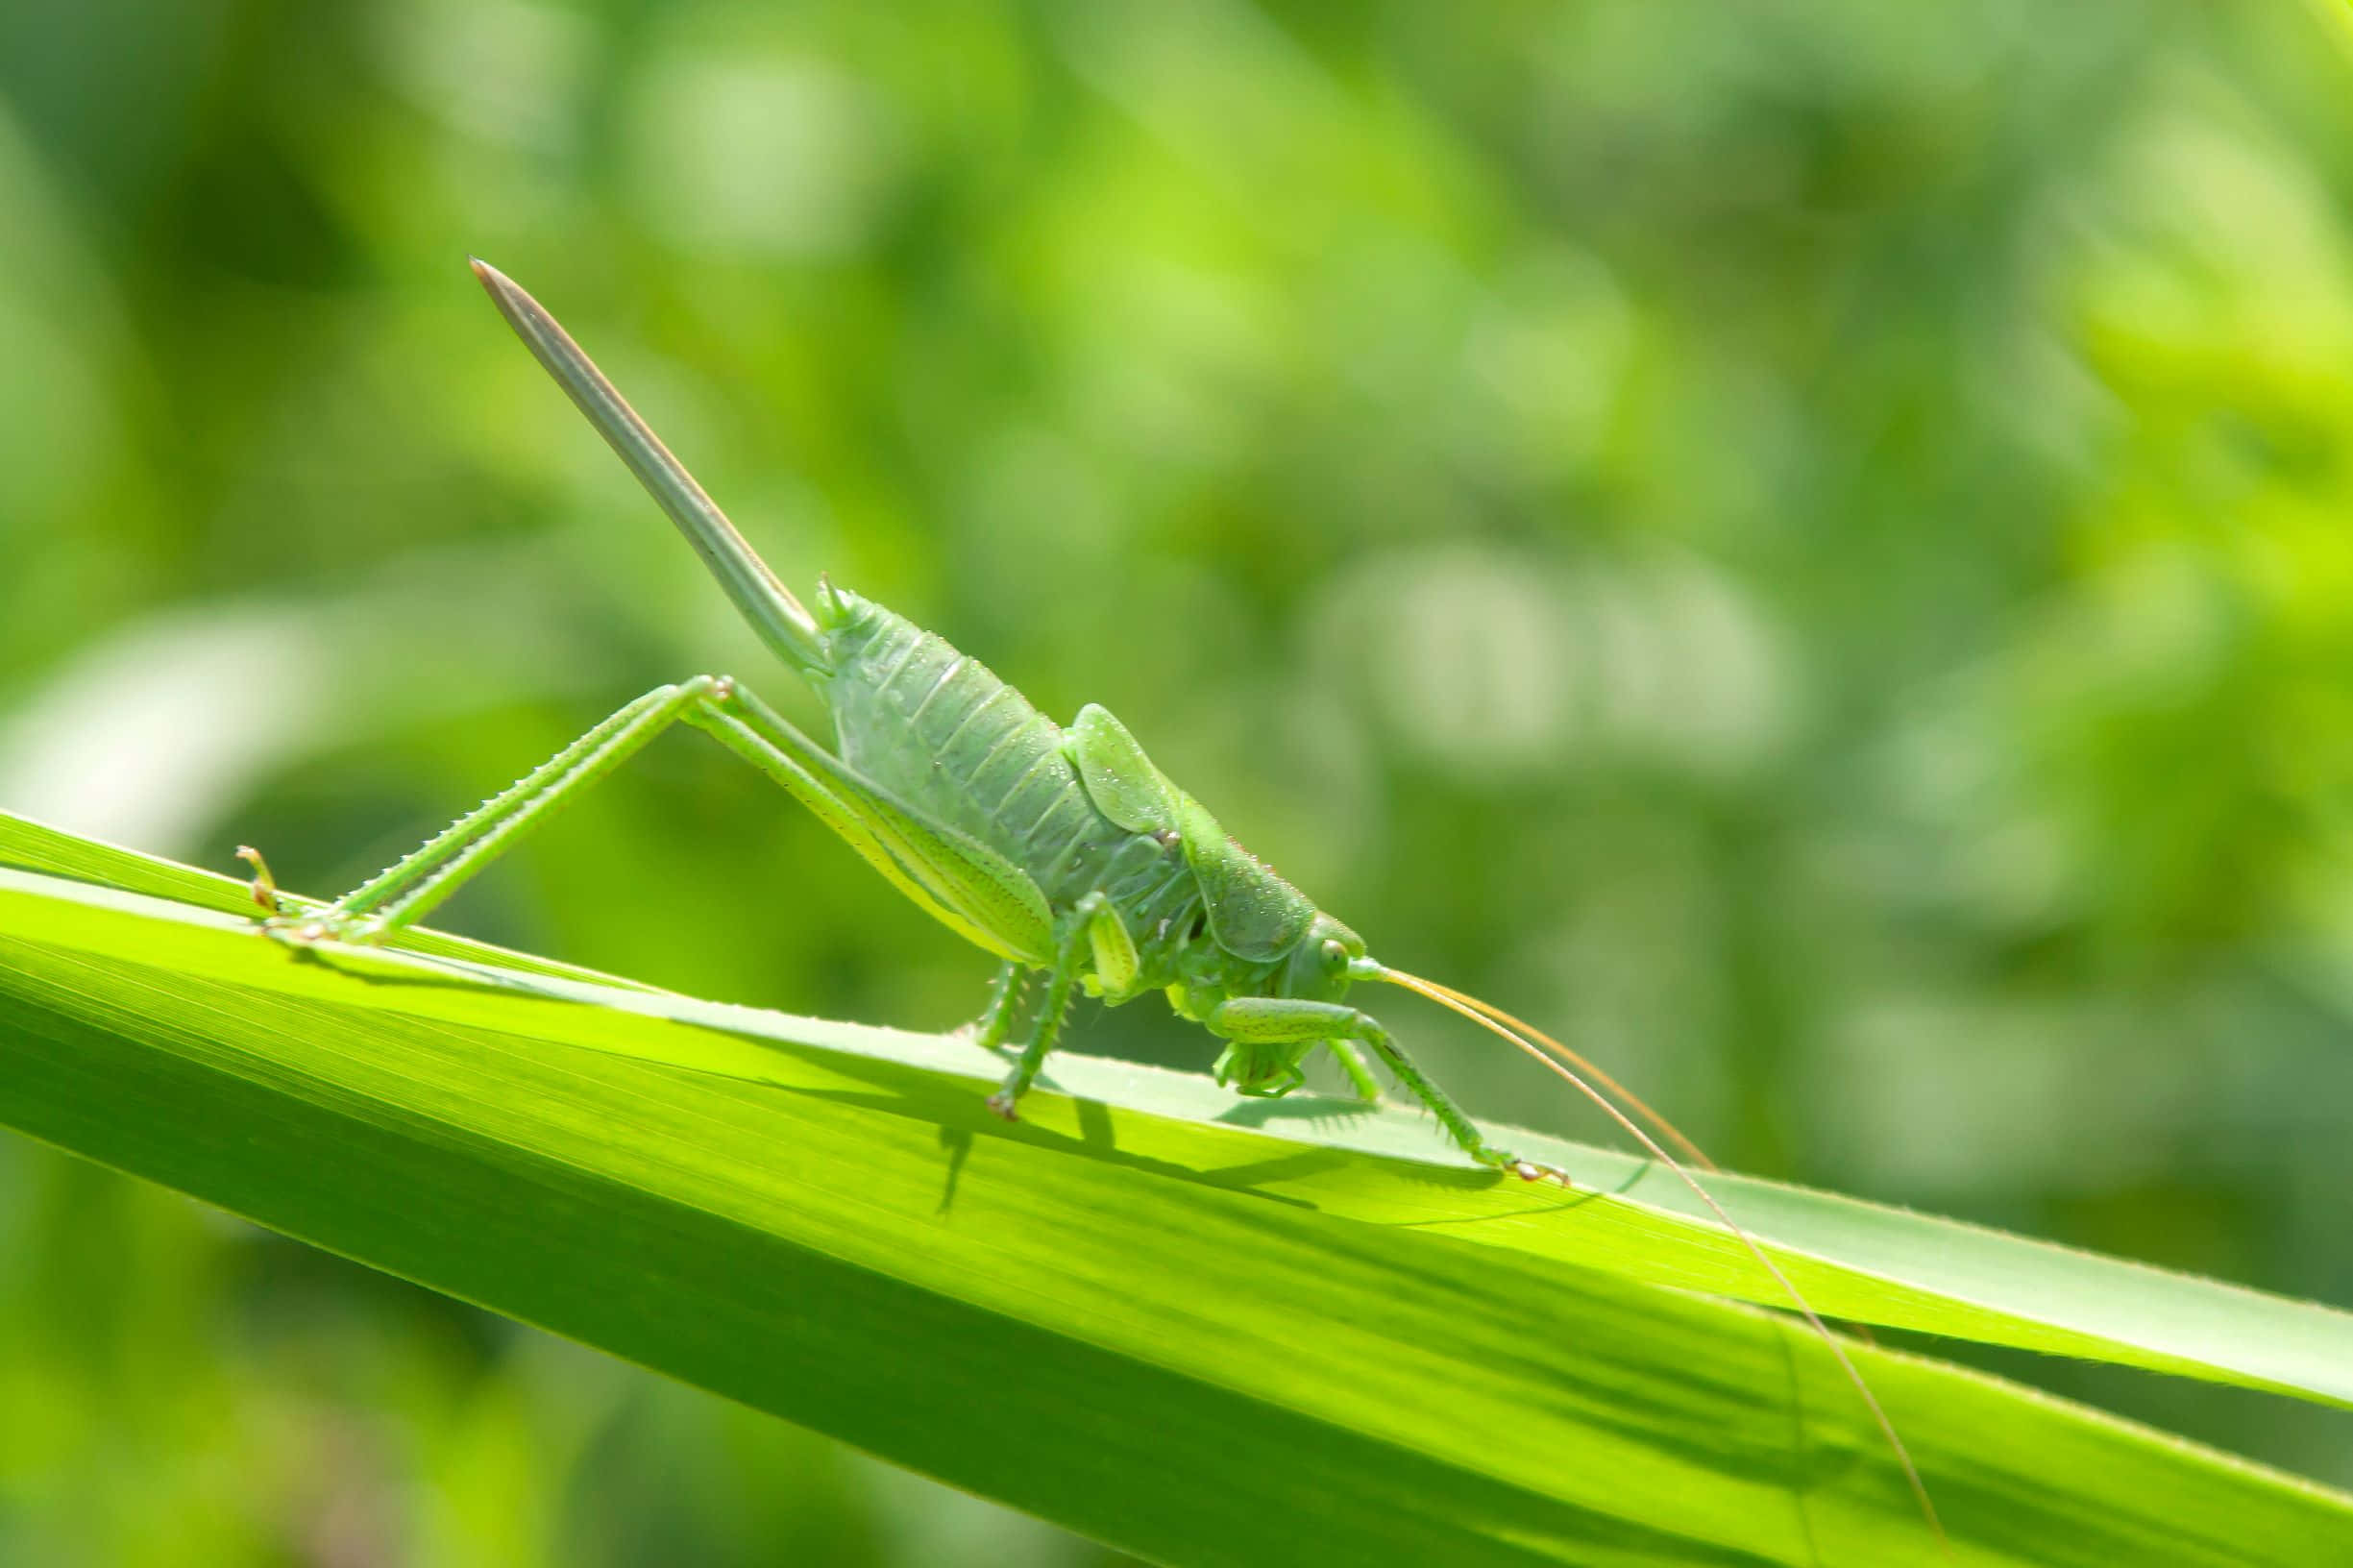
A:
[(1811, 550)]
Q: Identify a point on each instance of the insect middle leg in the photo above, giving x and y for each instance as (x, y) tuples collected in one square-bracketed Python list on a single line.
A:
[(1281, 1019), (995, 1022), (1094, 934)]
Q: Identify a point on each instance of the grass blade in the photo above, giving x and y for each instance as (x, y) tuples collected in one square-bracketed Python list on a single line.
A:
[(1192, 1340)]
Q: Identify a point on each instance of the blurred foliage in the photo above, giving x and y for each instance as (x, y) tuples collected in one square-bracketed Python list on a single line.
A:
[(1813, 552)]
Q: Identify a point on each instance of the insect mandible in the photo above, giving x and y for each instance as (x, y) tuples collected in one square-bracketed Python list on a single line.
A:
[(1061, 852)]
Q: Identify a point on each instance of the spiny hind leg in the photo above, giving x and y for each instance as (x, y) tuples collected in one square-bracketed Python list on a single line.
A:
[(973, 891), (1281, 1019), (418, 882)]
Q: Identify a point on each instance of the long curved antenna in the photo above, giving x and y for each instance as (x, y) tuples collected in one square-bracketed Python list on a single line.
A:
[(1447, 998), (782, 621), (1585, 1065), (1572, 1060)]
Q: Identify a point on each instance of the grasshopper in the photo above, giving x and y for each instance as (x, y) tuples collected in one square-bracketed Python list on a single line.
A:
[(1061, 852)]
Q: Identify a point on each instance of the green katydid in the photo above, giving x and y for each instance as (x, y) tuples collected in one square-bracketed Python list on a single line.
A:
[(1061, 852)]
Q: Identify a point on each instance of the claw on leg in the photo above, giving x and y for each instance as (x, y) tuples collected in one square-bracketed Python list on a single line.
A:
[(297, 930), (1528, 1170), (265, 886), (1001, 1103)]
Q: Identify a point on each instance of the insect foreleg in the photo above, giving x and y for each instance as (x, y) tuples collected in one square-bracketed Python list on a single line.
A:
[(1352, 1062), (1274, 1020)]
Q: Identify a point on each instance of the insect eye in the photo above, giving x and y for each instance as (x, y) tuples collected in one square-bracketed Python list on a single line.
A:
[(1336, 956)]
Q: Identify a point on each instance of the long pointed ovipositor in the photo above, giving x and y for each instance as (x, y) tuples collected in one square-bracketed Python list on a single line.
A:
[(780, 619)]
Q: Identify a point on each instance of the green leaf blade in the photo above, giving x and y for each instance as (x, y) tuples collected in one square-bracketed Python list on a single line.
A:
[(1163, 1332)]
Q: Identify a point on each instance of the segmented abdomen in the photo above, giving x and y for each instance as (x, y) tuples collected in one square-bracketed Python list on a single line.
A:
[(943, 733)]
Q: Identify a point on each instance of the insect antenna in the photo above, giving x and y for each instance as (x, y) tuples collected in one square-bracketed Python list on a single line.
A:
[(1492, 1014), (1492, 1021)]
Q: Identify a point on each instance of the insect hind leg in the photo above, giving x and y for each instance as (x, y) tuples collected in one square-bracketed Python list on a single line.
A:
[(416, 884)]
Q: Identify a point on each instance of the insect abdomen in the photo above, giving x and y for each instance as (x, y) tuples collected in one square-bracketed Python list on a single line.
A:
[(943, 732)]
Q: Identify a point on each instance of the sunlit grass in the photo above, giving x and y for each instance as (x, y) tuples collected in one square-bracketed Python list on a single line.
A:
[(1126, 1314)]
